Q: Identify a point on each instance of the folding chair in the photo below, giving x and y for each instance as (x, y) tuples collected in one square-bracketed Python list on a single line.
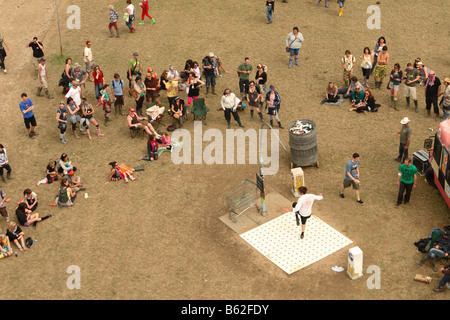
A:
[(158, 120), (199, 110), (134, 131)]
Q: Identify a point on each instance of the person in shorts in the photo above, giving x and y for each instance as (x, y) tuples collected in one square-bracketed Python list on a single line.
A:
[(381, 67), (26, 107), (88, 60), (352, 177), (412, 78), (303, 207), (293, 44)]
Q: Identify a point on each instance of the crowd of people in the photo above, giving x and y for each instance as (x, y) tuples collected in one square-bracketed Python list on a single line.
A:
[(145, 88)]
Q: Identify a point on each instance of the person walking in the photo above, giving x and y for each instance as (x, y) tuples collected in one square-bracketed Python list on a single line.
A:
[(406, 180), (129, 12), (4, 164), (38, 53), (26, 107), (405, 139), (3, 45), (341, 7), (145, 7), (43, 77), (294, 42), (303, 207), (113, 18), (244, 70), (270, 8), (326, 3), (352, 177)]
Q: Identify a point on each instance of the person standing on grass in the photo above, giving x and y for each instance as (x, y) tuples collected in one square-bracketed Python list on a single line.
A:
[(270, 8), (117, 86), (432, 92), (294, 42), (352, 177), (38, 53), (4, 164), (145, 6), (303, 207), (26, 107), (405, 139), (210, 71), (3, 200), (348, 62), (244, 70), (412, 78), (407, 180), (88, 60), (381, 67)]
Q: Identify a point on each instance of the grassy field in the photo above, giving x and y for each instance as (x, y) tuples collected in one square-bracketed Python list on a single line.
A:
[(160, 237)]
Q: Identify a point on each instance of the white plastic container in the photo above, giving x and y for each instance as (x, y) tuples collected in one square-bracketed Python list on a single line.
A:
[(298, 180), (355, 263)]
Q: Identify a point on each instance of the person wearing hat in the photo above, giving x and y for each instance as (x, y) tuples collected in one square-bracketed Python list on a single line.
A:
[(38, 53), (88, 59), (405, 139), (152, 87), (134, 68), (43, 77), (446, 99), (432, 92), (210, 71), (75, 92), (406, 180), (422, 69), (80, 76)]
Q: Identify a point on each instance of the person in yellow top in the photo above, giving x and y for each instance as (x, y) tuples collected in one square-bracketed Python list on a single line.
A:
[(172, 88)]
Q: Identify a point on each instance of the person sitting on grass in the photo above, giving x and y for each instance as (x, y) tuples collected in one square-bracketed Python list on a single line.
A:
[(30, 199), (331, 94), (51, 174), (357, 95), (66, 196), (5, 246), (152, 149), (26, 217), (166, 141), (16, 235), (367, 104), (120, 172)]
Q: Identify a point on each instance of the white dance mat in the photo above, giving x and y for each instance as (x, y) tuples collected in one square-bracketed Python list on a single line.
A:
[(279, 241)]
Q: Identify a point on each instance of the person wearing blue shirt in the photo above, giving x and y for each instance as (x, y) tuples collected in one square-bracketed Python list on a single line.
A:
[(352, 177), (117, 86), (26, 107)]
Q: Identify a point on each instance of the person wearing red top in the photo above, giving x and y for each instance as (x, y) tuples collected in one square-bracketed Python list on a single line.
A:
[(145, 6), (99, 82)]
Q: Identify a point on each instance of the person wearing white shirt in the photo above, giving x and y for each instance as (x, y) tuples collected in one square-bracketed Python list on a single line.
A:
[(229, 103), (303, 207), (75, 93)]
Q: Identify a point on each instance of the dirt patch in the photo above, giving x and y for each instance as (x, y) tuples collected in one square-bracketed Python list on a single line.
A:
[(160, 237)]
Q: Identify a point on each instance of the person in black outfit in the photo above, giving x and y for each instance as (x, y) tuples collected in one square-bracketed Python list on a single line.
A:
[(38, 53), (432, 91), (367, 104)]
